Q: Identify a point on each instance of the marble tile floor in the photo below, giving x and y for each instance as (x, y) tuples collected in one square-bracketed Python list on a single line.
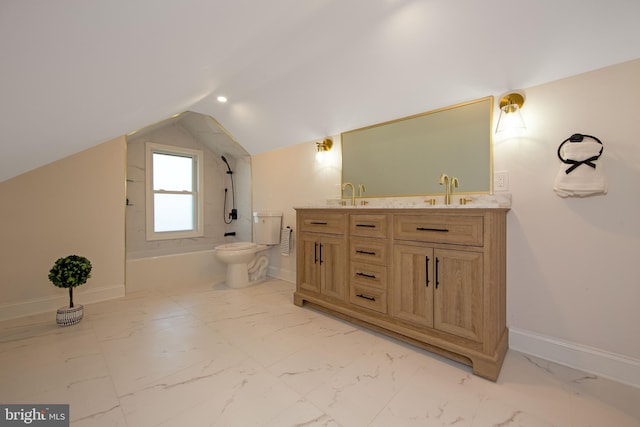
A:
[(213, 356)]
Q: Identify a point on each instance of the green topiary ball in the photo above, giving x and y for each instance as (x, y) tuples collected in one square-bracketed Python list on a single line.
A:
[(70, 271)]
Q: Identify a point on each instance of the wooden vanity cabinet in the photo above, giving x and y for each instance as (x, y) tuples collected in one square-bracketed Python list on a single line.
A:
[(368, 261), (435, 278), (322, 254), (439, 283), (439, 288)]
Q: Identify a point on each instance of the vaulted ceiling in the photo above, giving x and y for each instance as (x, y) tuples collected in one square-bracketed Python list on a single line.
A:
[(76, 73)]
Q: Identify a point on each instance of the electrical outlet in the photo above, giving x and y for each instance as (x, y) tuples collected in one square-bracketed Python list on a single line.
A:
[(501, 181)]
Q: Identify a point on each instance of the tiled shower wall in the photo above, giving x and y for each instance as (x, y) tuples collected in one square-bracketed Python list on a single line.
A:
[(216, 180)]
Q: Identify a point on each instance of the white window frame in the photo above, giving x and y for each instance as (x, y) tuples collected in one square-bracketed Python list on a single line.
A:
[(197, 157)]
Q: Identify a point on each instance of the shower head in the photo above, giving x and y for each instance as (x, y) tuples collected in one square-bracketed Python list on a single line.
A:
[(227, 163)]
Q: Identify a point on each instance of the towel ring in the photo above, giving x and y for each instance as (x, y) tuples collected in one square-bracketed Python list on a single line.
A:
[(578, 137)]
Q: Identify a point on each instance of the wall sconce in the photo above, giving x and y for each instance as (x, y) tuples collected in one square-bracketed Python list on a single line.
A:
[(324, 145), (322, 148), (510, 117)]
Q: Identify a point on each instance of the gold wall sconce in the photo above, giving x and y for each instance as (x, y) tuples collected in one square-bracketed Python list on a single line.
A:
[(510, 117), (324, 145), (322, 149)]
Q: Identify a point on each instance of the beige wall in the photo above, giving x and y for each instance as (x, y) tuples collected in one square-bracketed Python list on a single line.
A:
[(72, 206), (571, 267), (572, 280), (291, 177)]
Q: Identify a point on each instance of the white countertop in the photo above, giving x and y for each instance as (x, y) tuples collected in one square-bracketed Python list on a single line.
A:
[(474, 201)]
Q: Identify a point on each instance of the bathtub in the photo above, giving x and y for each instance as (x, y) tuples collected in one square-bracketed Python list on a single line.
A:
[(144, 271)]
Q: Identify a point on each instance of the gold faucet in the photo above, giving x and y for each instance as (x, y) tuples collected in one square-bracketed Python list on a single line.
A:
[(454, 184), (353, 192), (444, 180), (361, 190)]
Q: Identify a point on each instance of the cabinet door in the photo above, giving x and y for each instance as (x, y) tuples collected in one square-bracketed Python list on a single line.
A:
[(458, 301), (413, 287), (309, 274), (333, 262)]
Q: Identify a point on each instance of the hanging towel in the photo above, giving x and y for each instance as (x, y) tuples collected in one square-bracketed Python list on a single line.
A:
[(285, 241), (580, 174)]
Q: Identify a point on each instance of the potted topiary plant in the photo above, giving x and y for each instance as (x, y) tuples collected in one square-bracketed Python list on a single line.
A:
[(69, 272)]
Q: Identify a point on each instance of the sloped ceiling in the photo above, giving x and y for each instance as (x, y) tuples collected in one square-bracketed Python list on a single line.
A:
[(76, 73), (202, 128)]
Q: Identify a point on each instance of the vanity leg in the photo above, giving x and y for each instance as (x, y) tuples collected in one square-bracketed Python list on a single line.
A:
[(489, 367), (298, 300)]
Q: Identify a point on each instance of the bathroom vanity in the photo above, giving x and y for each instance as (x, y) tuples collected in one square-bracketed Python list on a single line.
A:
[(433, 277)]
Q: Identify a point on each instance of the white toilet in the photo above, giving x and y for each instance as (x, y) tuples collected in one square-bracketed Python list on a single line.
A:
[(247, 262)]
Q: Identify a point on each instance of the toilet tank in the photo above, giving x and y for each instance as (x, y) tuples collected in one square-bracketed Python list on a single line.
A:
[(266, 227)]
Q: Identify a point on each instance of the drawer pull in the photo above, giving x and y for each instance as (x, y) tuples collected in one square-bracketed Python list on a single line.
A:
[(442, 230), (368, 276), (359, 251), (366, 297), (366, 225), (317, 223)]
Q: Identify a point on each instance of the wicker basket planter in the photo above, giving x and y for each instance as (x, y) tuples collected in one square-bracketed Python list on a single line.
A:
[(66, 316), (70, 272)]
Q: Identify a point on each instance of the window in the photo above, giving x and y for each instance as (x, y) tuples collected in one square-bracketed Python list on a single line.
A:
[(174, 192)]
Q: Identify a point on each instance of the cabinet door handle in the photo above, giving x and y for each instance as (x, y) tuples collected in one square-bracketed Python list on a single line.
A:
[(317, 223), (366, 297), (437, 278), (426, 270), (315, 252), (321, 260), (441, 230), (368, 276), (360, 251), (366, 225)]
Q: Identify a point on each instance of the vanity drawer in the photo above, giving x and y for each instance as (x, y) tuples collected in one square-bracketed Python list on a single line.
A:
[(368, 274), (368, 250), (369, 226), (368, 297), (322, 222), (458, 229)]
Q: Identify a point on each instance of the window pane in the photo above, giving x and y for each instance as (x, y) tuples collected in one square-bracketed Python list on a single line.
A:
[(172, 173), (173, 212)]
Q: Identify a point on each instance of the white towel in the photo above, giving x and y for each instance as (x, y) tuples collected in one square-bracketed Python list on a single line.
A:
[(583, 180), (285, 241)]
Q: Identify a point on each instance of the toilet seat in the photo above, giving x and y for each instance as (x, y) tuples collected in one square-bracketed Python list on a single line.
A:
[(236, 246)]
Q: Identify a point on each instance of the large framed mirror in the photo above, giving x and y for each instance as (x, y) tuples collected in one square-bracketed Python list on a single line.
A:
[(405, 157)]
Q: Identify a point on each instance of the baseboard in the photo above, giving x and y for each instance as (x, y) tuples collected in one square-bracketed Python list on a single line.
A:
[(50, 304), (604, 364), (279, 273)]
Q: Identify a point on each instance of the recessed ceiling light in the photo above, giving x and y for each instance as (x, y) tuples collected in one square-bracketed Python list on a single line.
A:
[(222, 99)]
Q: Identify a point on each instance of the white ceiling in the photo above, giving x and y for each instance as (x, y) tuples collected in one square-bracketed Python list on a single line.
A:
[(76, 73)]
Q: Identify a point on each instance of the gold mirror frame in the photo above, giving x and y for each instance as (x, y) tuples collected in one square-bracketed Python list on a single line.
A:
[(405, 157)]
